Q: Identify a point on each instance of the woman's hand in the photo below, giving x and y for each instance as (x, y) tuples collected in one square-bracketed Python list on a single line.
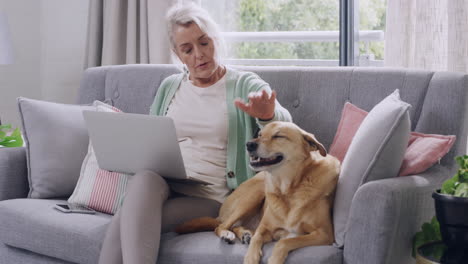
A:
[(260, 105)]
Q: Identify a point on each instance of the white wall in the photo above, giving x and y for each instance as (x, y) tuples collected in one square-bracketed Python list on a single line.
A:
[(23, 77), (64, 25), (49, 44)]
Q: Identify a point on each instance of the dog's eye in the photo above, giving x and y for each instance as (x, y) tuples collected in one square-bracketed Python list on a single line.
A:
[(278, 136)]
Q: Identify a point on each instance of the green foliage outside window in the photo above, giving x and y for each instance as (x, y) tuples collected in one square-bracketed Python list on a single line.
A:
[(293, 15), (288, 15), (372, 16)]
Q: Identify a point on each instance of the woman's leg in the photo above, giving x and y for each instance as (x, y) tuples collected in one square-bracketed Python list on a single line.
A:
[(138, 222), (140, 225), (111, 250)]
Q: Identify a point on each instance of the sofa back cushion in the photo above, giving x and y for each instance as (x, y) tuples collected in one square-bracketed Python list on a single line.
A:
[(314, 95), (56, 143)]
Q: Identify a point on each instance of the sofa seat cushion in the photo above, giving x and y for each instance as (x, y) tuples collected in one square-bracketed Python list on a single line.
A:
[(33, 225), (205, 247), (14, 255)]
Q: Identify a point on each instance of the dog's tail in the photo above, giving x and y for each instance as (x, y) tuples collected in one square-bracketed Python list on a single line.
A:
[(198, 225)]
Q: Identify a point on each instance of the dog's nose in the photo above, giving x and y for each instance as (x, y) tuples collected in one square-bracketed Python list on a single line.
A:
[(251, 146)]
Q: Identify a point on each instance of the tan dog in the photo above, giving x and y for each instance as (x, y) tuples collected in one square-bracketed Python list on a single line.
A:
[(294, 194)]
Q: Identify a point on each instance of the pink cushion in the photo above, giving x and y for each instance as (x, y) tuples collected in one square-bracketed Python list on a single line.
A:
[(351, 118), (423, 151)]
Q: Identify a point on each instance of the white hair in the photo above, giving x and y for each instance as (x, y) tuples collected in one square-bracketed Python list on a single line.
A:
[(188, 13)]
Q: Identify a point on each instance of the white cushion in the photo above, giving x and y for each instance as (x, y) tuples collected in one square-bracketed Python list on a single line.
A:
[(99, 189), (376, 152)]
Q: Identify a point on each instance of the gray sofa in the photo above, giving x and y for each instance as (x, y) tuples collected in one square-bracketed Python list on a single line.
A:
[(384, 213)]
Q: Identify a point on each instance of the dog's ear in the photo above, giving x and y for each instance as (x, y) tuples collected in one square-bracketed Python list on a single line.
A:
[(314, 144)]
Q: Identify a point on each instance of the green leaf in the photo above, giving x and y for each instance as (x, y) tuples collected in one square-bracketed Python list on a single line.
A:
[(2, 132), (418, 241), (430, 232), (12, 144), (436, 227), (463, 175), (7, 126), (14, 140), (16, 133), (462, 190), (462, 161), (448, 187), (465, 158)]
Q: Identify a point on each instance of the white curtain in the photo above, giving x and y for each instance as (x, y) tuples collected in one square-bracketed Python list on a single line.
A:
[(127, 32), (427, 34)]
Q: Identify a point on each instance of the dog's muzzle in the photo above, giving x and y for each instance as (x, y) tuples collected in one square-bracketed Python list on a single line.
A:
[(256, 161)]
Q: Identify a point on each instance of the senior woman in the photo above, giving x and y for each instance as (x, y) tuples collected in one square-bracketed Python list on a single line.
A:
[(215, 109)]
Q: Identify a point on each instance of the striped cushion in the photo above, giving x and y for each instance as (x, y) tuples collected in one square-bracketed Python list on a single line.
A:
[(99, 189)]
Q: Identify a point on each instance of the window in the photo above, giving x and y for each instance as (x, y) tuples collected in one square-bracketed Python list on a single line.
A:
[(372, 26), (290, 32)]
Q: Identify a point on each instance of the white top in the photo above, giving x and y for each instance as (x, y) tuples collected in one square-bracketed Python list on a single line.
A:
[(201, 120)]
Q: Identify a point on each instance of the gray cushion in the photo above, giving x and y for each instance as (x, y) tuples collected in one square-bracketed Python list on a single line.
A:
[(56, 144), (34, 225), (205, 247), (376, 152), (9, 254)]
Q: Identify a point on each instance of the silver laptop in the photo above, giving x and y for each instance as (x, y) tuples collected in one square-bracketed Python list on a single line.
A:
[(128, 143)]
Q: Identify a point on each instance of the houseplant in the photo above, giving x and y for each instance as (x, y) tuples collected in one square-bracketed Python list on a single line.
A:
[(10, 137), (451, 224), (451, 204)]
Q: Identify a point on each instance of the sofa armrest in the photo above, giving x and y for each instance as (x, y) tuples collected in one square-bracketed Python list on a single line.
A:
[(13, 173), (385, 215)]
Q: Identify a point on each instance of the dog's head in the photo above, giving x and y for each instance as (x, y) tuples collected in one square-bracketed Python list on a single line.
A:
[(279, 143)]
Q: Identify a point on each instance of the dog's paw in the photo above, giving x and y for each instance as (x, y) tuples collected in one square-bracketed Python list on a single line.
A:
[(252, 258), (278, 256), (228, 236), (274, 260), (246, 237)]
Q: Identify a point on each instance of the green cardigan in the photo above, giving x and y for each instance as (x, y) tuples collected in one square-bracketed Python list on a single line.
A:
[(241, 126)]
